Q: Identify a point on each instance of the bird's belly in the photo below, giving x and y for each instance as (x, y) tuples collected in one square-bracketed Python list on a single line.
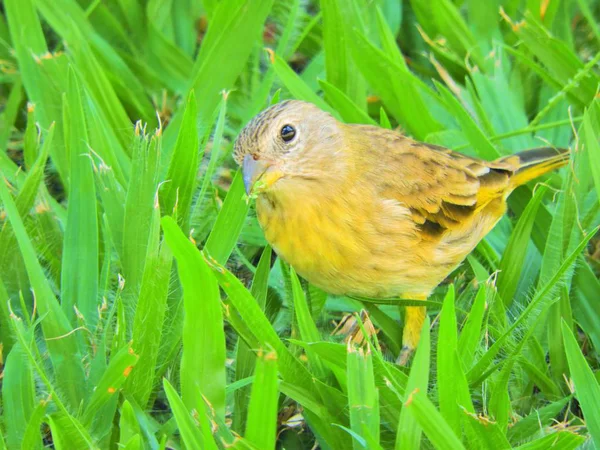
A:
[(350, 254)]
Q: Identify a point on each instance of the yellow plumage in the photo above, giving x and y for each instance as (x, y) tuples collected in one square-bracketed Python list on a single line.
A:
[(365, 211)]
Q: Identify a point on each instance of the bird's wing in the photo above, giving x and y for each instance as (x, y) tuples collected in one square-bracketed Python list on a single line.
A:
[(443, 189)]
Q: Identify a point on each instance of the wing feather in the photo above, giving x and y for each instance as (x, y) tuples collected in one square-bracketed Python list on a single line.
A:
[(442, 189)]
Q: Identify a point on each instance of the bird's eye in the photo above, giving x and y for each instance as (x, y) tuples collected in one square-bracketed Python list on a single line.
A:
[(288, 133)]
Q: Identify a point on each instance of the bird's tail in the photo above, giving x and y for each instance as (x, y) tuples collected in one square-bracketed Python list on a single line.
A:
[(536, 162)]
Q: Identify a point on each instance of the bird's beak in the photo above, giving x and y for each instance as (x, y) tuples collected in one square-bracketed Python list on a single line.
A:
[(258, 174)]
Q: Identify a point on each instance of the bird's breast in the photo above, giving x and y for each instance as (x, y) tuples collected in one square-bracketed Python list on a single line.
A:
[(345, 245), (318, 238)]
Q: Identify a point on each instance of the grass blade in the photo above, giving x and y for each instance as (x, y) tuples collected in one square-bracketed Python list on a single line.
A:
[(564, 440), (79, 276), (62, 344), (339, 20), (363, 398), (447, 347), (229, 223), (150, 313), (203, 360), (176, 198), (297, 87), (139, 207), (262, 412), (348, 110), (193, 437), (431, 422), (536, 421), (308, 329), (225, 50), (128, 425), (120, 367), (592, 147), (537, 303), (409, 429), (245, 356), (587, 388), (513, 259), (470, 334), (18, 397)]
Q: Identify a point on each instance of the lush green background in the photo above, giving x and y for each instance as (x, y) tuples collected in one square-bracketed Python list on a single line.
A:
[(127, 244)]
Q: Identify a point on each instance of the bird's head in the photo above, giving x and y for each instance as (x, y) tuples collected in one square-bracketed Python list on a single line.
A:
[(287, 145)]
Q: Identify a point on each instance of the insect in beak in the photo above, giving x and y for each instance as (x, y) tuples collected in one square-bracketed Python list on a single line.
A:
[(258, 174)]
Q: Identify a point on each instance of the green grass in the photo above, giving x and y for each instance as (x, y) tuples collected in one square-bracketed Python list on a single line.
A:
[(140, 306)]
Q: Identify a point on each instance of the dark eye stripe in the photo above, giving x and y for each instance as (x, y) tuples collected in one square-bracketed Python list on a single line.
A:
[(288, 133)]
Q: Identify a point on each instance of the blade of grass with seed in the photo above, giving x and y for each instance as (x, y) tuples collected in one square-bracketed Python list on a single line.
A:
[(488, 434), (139, 207), (30, 139)]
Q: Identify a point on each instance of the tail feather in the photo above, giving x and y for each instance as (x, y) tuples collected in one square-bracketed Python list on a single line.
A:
[(533, 163)]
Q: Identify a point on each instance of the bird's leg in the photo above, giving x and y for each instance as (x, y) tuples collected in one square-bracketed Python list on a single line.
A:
[(413, 322)]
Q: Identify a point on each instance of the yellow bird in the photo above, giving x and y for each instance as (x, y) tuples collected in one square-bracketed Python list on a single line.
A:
[(364, 211)]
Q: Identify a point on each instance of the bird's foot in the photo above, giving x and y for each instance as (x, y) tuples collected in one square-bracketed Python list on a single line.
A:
[(405, 355), (350, 328)]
